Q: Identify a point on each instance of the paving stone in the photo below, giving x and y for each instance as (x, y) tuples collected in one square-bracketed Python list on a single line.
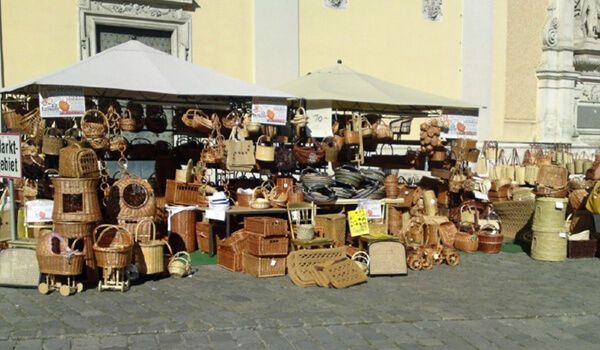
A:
[(85, 343), (112, 341), (57, 344), (34, 344), (7, 345)]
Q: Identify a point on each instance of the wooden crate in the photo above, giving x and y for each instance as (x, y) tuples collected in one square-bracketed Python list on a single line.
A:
[(228, 258), (259, 266), (334, 226)]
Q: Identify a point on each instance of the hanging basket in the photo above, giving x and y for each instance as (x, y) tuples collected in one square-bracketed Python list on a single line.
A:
[(52, 142), (264, 152), (309, 155), (93, 124), (78, 162), (136, 198), (12, 119)]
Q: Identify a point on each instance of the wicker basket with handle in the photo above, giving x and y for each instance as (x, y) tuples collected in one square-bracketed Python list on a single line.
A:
[(295, 194), (467, 240), (114, 247), (198, 120), (149, 256), (93, 123), (52, 142), (180, 265), (12, 119)]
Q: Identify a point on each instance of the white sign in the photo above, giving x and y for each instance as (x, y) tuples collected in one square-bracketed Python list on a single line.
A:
[(372, 207), (269, 110), (460, 127), (10, 156), (213, 214), (61, 101), (319, 119)]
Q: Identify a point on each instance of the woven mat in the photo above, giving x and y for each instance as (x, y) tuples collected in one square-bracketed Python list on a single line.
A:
[(300, 262), (19, 268), (344, 274)]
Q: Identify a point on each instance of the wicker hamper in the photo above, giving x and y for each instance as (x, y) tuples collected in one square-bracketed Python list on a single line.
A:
[(259, 266), (260, 245), (549, 246), (582, 249), (266, 226), (76, 200), (183, 231), (334, 226)]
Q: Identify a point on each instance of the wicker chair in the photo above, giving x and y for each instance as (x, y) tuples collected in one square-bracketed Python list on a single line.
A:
[(304, 213)]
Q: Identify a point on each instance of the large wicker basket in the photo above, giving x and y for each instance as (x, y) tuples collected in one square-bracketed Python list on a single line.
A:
[(74, 229), (516, 217), (136, 198), (56, 257), (149, 256), (76, 200), (114, 247)]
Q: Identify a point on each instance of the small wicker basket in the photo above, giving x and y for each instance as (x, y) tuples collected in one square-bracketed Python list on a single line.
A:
[(180, 265)]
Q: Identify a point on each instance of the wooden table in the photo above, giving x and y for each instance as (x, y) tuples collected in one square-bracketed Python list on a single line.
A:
[(237, 210)]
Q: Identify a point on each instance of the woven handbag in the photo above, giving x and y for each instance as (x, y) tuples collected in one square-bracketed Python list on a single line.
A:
[(156, 119), (264, 151), (383, 131)]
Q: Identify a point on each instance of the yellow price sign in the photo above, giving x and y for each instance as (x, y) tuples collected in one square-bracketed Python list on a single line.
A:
[(359, 224)]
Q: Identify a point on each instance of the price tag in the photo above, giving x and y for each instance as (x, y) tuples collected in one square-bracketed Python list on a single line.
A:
[(559, 205), (481, 196), (357, 220), (273, 262), (562, 235)]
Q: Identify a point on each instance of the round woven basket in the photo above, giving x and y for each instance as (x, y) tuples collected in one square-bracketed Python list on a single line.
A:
[(466, 242), (549, 214), (114, 247), (516, 217), (74, 229)]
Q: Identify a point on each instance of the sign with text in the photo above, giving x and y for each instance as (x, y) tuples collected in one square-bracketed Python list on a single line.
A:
[(10, 156), (372, 207), (319, 119), (460, 126), (61, 101), (269, 110), (358, 222)]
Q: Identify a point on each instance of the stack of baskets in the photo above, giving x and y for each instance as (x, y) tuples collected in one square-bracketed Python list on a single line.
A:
[(76, 205), (267, 245), (550, 230)]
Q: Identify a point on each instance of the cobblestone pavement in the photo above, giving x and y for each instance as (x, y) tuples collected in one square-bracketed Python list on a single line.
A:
[(505, 301)]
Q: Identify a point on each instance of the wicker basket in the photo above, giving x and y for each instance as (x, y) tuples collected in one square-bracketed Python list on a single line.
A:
[(55, 257), (77, 162), (76, 200), (266, 226), (516, 217), (74, 229), (93, 124), (180, 265), (244, 199), (301, 261), (129, 123), (295, 194), (258, 266), (136, 198), (202, 236), (582, 249), (334, 226), (466, 242), (491, 244), (130, 224), (549, 246), (278, 197), (549, 214), (229, 251), (114, 247), (260, 245), (149, 256), (183, 231), (52, 144), (185, 194), (12, 119)]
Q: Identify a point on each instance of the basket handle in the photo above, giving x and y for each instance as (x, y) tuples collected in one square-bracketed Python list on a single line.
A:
[(107, 227), (137, 228), (185, 256), (73, 244)]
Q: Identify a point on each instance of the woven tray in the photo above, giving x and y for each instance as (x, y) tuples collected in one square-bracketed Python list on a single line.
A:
[(300, 262), (344, 274)]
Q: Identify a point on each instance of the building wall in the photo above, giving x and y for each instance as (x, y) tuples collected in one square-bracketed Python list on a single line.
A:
[(525, 20), (388, 39), (38, 37)]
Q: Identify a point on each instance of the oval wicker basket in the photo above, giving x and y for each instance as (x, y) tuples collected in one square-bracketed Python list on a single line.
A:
[(55, 257), (114, 247), (180, 265), (93, 124)]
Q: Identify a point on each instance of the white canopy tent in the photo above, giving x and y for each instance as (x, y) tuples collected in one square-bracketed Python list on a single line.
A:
[(134, 70)]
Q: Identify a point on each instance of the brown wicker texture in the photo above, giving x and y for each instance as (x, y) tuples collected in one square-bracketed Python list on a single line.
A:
[(77, 162), (198, 120), (114, 247), (344, 274), (180, 265), (185, 194), (466, 242), (91, 268), (549, 214), (260, 245), (448, 232), (93, 124), (52, 144), (516, 217), (202, 236), (334, 226), (228, 259), (300, 262), (12, 119), (295, 194), (149, 256), (136, 198), (183, 231), (130, 225), (76, 200), (258, 266), (266, 226), (55, 257), (491, 244), (578, 198), (278, 197), (129, 123), (549, 246), (244, 199), (74, 229)]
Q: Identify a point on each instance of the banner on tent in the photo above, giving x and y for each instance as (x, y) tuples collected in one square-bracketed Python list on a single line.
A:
[(269, 110), (61, 101), (10, 156), (460, 126)]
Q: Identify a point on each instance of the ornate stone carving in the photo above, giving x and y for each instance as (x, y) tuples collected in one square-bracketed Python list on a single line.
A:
[(587, 12), (550, 34), (136, 9), (591, 93), (586, 63), (432, 10)]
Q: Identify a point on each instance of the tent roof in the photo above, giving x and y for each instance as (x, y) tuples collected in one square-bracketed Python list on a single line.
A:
[(132, 68), (342, 84)]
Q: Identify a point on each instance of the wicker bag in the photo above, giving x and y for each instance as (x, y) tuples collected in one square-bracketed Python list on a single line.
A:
[(12, 119), (351, 136), (309, 155), (113, 247), (52, 142), (149, 256), (93, 124), (77, 162), (214, 151), (455, 183), (448, 232), (467, 240), (367, 128), (230, 120), (264, 152), (383, 132), (332, 150)]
